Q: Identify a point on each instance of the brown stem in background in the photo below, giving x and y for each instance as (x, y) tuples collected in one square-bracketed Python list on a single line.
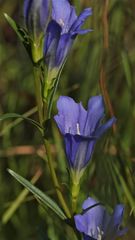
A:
[(103, 77), (105, 25)]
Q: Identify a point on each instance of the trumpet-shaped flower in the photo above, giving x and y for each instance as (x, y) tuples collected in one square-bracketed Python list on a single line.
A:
[(96, 224), (81, 129), (62, 31)]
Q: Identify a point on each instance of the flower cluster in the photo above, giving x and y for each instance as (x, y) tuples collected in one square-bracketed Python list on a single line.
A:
[(81, 129), (55, 25), (51, 29)]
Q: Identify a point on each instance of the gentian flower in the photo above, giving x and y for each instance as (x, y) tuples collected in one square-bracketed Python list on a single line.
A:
[(62, 31), (96, 224), (81, 129)]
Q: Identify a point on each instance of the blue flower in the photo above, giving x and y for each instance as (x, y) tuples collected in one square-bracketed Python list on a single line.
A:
[(36, 14), (62, 31), (81, 129), (96, 224)]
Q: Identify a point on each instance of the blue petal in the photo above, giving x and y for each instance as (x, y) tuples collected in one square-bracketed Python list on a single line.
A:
[(82, 118), (91, 220), (72, 18), (95, 221), (81, 32), (45, 10), (89, 202), (103, 128), (117, 217), (27, 6), (81, 19), (112, 230), (94, 115), (51, 43), (78, 150), (63, 13), (84, 153), (63, 49), (80, 223), (68, 114), (118, 214), (72, 143), (36, 15)]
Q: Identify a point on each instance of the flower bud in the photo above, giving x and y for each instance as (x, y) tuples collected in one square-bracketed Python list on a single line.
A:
[(36, 13)]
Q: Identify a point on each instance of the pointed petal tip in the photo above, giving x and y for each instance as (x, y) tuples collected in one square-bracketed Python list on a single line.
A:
[(119, 209), (88, 11), (97, 102)]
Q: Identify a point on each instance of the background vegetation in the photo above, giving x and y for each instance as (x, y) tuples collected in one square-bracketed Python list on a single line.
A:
[(104, 60)]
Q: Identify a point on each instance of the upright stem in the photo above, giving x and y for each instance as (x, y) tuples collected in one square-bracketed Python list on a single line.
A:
[(55, 180), (42, 118), (38, 94)]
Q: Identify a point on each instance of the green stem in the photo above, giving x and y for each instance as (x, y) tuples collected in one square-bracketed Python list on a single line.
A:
[(42, 117), (55, 180), (38, 94), (74, 193)]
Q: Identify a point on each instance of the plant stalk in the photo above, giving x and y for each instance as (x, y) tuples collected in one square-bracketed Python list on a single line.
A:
[(74, 193), (42, 118)]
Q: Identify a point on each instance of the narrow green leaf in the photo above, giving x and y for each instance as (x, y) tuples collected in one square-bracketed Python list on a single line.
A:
[(42, 197), (15, 115), (14, 26), (21, 33)]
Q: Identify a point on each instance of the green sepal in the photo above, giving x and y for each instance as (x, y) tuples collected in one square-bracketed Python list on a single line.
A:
[(15, 115), (41, 197), (21, 33)]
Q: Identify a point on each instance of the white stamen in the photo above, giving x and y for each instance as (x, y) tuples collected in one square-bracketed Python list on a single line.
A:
[(78, 128), (61, 22), (100, 234)]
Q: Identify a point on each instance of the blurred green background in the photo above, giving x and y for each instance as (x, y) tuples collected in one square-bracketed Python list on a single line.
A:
[(111, 175)]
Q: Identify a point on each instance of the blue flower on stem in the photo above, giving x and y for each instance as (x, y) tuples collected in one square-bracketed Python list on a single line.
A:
[(81, 129), (62, 31), (96, 224)]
